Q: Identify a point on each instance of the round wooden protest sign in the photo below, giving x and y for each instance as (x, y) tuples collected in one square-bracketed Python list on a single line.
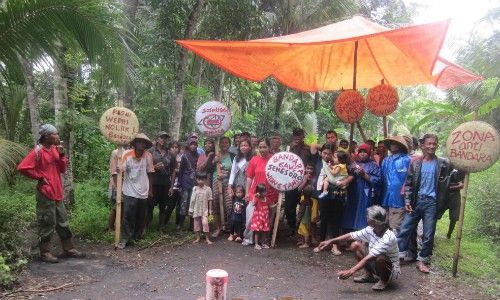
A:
[(119, 125), (350, 106), (213, 118), (382, 100), (285, 171), (473, 146)]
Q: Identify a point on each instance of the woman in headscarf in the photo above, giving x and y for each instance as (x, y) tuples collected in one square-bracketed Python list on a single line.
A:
[(367, 184)]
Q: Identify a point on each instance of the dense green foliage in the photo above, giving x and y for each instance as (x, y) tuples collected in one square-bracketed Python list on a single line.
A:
[(100, 50)]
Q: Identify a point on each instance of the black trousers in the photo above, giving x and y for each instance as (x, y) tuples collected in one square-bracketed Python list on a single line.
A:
[(292, 199), (172, 203), (133, 217), (330, 213)]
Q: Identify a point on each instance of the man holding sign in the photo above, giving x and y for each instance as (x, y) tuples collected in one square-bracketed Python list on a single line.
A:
[(137, 164)]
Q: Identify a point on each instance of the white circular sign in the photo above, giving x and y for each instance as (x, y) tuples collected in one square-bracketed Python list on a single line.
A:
[(119, 125), (213, 118), (473, 146), (285, 171)]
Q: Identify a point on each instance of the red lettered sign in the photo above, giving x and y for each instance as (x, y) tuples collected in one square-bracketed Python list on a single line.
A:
[(213, 118), (285, 171), (473, 146), (350, 106), (382, 100)]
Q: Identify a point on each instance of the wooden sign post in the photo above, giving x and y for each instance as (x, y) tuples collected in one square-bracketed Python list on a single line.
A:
[(284, 172), (213, 119), (119, 125), (472, 147)]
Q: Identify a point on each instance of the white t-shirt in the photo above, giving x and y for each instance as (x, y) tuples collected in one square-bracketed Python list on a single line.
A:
[(136, 181), (387, 244)]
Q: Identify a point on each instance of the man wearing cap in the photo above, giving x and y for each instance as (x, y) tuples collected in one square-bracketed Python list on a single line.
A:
[(138, 169), (194, 136), (164, 164), (45, 163), (425, 184), (187, 178), (394, 169)]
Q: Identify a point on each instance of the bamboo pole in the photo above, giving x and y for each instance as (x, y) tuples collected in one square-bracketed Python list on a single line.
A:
[(458, 239), (119, 186), (281, 197), (351, 134), (363, 136), (118, 208), (277, 218), (384, 124)]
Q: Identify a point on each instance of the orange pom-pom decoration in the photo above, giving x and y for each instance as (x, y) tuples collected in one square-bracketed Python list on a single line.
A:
[(382, 100), (350, 106)]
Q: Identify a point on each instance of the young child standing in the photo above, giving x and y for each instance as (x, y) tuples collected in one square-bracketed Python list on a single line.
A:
[(260, 217), (308, 211), (200, 207), (332, 174), (237, 214)]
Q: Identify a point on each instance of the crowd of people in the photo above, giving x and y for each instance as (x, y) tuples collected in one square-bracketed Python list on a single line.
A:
[(368, 199)]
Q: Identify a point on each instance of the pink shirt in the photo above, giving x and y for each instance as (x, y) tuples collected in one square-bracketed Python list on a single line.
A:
[(256, 170), (47, 164)]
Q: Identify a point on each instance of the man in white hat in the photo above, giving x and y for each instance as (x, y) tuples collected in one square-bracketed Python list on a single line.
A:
[(45, 163), (138, 169)]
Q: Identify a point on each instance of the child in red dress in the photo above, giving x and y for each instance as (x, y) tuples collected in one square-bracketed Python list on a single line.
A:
[(260, 217)]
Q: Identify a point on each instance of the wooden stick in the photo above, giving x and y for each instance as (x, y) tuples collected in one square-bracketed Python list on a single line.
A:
[(361, 131), (152, 244), (351, 134), (277, 218), (118, 209), (281, 197), (384, 124), (219, 187), (458, 239), (39, 291)]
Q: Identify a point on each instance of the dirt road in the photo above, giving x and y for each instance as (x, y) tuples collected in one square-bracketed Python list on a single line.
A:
[(166, 272)]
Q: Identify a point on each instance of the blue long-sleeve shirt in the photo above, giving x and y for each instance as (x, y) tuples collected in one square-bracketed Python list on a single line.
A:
[(394, 170)]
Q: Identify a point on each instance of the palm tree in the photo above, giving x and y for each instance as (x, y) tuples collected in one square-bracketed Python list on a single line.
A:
[(33, 29)]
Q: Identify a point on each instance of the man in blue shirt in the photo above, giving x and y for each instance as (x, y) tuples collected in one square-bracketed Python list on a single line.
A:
[(394, 169), (422, 188)]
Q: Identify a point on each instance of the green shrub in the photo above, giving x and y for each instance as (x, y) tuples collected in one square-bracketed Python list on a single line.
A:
[(484, 193), (89, 216), (17, 213)]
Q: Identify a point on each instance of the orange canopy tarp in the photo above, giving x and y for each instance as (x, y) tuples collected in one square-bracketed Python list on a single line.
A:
[(322, 59)]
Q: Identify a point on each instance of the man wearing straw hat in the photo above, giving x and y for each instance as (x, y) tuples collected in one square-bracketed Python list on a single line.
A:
[(138, 169), (45, 163), (394, 169)]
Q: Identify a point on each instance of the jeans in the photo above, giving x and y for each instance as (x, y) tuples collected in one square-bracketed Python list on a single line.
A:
[(425, 210)]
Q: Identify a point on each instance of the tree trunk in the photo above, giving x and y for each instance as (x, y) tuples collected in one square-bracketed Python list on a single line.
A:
[(181, 73), (316, 101), (279, 102), (219, 86), (32, 99), (127, 90), (61, 107)]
